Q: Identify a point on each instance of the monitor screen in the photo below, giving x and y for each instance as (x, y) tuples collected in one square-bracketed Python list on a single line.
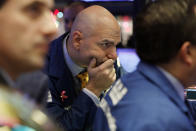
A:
[(105, 0), (128, 58)]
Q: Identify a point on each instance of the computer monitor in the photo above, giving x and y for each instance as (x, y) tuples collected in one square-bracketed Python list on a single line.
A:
[(128, 58), (105, 0)]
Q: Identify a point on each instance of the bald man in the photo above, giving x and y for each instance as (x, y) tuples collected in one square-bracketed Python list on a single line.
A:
[(91, 47)]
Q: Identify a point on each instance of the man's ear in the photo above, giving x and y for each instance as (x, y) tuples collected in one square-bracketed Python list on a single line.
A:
[(186, 53), (77, 37)]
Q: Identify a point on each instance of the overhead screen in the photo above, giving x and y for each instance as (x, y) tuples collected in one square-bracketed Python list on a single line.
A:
[(105, 0)]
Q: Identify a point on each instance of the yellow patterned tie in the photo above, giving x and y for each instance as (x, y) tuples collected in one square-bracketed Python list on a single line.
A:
[(83, 79)]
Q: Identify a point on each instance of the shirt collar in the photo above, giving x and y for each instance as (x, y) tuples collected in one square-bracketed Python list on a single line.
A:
[(74, 68), (177, 85)]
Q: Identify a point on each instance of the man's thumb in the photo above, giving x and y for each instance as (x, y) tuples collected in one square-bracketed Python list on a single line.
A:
[(92, 63)]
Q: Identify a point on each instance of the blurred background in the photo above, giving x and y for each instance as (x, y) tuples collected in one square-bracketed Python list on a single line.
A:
[(124, 11)]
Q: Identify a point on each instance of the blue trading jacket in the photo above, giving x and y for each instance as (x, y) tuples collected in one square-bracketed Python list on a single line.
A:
[(143, 101)]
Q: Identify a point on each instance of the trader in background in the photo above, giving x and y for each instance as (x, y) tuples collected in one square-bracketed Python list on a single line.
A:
[(70, 13)]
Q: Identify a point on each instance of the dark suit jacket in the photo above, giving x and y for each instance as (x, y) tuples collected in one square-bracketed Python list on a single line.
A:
[(77, 111), (34, 85), (146, 101), (2, 80)]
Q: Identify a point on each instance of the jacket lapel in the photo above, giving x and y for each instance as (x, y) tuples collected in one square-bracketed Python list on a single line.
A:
[(56, 62), (58, 69)]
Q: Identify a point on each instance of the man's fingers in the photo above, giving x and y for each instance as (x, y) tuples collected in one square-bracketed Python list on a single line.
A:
[(107, 64), (92, 63), (112, 74), (114, 77)]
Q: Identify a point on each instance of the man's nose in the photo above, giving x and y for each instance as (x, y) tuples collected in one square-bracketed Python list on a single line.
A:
[(49, 27), (112, 54)]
